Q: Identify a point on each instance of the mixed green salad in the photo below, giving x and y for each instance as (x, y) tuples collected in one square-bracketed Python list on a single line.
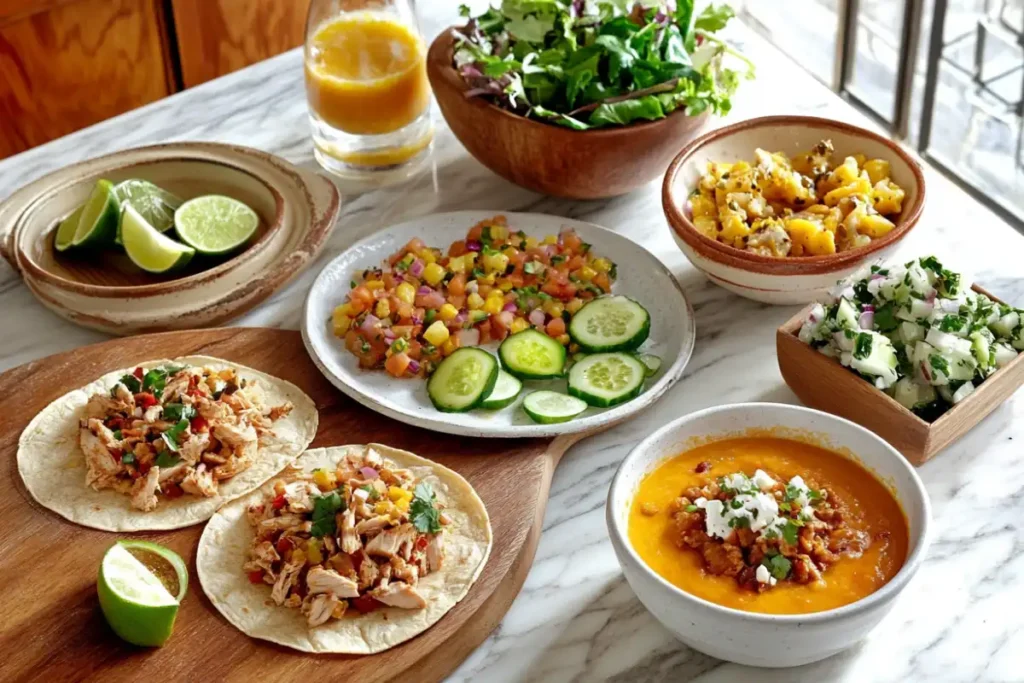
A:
[(593, 63), (917, 331)]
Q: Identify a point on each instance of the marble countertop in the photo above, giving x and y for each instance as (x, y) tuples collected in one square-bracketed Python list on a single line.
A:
[(576, 619)]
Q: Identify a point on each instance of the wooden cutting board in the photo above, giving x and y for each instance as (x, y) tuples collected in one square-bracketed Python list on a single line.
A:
[(51, 627)]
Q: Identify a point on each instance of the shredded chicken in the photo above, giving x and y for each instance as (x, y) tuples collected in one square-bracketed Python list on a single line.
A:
[(199, 482), (144, 490), (399, 594)]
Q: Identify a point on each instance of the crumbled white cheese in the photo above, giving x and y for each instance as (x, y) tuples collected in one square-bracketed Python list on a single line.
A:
[(764, 576), (715, 520), (762, 480), (801, 499), (736, 482)]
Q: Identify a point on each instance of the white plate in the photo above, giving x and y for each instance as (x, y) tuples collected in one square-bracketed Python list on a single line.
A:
[(640, 276)]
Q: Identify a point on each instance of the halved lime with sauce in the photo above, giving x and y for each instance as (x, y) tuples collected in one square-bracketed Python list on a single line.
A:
[(215, 224), (67, 229), (153, 203), (149, 249), (97, 223), (140, 586)]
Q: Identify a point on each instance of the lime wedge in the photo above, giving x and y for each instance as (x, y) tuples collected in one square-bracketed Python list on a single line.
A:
[(215, 224), (135, 586), (153, 203), (147, 248), (98, 222), (66, 230)]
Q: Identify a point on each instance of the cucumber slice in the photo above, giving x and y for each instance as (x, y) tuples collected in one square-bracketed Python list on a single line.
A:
[(651, 362), (550, 407), (611, 323), (462, 380), (607, 379), (505, 391), (532, 355)]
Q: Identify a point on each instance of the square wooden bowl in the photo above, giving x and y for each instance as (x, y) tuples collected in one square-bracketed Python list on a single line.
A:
[(823, 383)]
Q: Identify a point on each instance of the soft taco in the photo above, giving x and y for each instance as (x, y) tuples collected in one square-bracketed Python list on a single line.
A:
[(163, 444), (353, 549)]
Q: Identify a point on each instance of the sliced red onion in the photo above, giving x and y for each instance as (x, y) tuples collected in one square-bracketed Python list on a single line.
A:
[(550, 249), (370, 324), (877, 276), (472, 286), (414, 366), (416, 268), (470, 337), (473, 245), (506, 318), (866, 320), (869, 307), (536, 317), (369, 474), (510, 307), (924, 371), (389, 335), (424, 291), (470, 71), (416, 320), (930, 296)]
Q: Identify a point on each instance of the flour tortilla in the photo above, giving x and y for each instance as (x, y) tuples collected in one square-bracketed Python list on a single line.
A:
[(52, 465), (224, 547)]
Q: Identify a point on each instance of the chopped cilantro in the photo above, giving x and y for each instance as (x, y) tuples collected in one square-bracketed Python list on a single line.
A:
[(429, 316), (166, 459), (778, 565), (861, 293), (862, 347), (532, 267), (170, 437), (128, 458), (952, 323), (691, 508), (132, 383), (790, 532), (939, 364), (423, 512), (117, 434), (324, 509), (173, 412), (885, 317)]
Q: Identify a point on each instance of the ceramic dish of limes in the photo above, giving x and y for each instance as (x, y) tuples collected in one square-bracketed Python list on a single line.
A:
[(158, 230)]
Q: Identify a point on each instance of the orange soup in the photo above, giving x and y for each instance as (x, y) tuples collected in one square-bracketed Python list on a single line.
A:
[(366, 74), (864, 507)]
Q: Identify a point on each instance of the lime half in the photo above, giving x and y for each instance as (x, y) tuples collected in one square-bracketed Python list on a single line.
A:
[(66, 230), (140, 585), (98, 221), (215, 224), (149, 249), (153, 203)]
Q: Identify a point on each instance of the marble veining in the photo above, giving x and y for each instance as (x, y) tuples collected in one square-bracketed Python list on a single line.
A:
[(576, 619)]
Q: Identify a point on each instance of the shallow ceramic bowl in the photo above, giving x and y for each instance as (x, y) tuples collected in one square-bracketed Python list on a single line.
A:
[(791, 280), (549, 158), (104, 290), (640, 276), (747, 637)]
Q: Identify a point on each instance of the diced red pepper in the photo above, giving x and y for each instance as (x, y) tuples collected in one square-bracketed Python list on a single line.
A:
[(145, 400), (144, 467), (139, 374), (357, 559), (199, 424), (284, 544), (421, 543), (172, 490), (366, 603), (256, 576), (279, 502), (117, 454), (114, 422)]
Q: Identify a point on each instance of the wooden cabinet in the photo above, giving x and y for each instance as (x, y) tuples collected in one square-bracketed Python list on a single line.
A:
[(66, 64), (215, 37)]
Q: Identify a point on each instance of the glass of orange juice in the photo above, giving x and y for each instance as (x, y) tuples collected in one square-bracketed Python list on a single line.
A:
[(366, 83)]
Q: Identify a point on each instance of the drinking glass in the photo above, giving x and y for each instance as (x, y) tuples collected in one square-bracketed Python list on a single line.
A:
[(366, 85)]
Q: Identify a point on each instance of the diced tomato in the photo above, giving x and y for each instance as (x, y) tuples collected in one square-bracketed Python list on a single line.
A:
[(256, 576), (475, 233), (570, 240), (415, 349), (145, 400), (283, 545), (457, 248), (484, 290), (560, 288), (397, 364), (485, 332), (421, 543), (139, 374), (457, 285), (458, 301), (114, 422), (517, 280), (576, 262), (145, 467), (434, 300), (199, 424), (365, 604), (171, 490), (279, 502), (601, 280), (500, 325), (362, 297), (117, 454), (556, 327)]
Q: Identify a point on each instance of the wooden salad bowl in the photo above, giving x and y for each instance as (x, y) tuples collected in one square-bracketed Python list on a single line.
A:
[(103, 290), (792, 279), (823, 383), (549, 158)]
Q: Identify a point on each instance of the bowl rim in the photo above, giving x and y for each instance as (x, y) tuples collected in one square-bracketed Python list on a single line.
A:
[(887, 592), (712, 249), (439, 65), (208, 153)]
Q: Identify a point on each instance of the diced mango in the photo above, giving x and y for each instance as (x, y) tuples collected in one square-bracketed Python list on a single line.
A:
[(875, 226), (447, 312), (887, 197), (494, 303), (313, 554), (809, 237), (877, 170), (437, 334), (550, 239), (505, 285), (602, 265), (433, 274), (495, 263), (574, 305), (553, 307), (859, 187), (457, 264), (586, 273), (475, 301), (383, 308), (374, 285), (325, 479), (448, 348), (707, 226), (702, 207), (406, 292), (519, 324)]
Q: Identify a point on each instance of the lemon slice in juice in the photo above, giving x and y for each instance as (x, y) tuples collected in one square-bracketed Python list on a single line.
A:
[(140, 586)]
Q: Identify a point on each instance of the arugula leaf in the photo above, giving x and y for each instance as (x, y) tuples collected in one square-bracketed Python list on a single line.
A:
[(325, 507), (621, 55), (645, 108), (170, 437), (422, 510)]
